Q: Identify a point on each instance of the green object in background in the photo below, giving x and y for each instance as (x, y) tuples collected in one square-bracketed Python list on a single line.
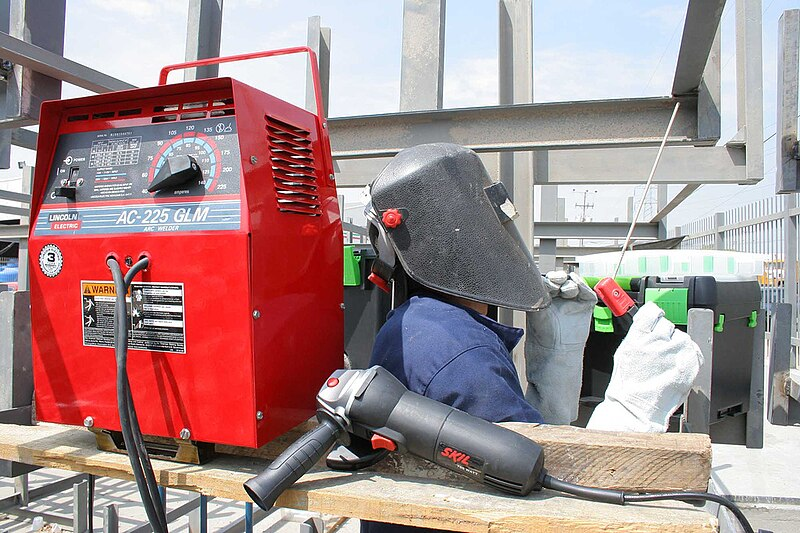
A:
[(352, 272), (720, 325), (753, 320), (674, 302), (602, 319), (623, 281)]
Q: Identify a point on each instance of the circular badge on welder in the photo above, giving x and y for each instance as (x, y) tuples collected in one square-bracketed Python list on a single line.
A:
[(51, 260)]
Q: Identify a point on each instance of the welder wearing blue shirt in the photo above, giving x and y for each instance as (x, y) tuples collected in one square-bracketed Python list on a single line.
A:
[(447, 247)]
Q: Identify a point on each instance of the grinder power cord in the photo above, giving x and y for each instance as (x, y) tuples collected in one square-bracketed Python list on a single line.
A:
[(371, 413), (129, 423)]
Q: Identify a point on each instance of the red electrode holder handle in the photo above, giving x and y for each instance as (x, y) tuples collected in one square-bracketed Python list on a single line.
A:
[(615, 298)]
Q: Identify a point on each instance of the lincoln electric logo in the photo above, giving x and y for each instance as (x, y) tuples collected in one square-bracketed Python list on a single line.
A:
[(64, 221)]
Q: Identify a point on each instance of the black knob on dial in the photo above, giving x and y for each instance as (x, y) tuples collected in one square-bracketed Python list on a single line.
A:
[(176, 171)]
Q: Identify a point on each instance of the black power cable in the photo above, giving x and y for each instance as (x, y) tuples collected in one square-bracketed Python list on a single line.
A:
[(621, 498), (129, 422)]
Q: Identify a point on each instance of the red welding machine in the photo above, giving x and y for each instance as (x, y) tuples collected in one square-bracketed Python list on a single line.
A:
[(229, 192)]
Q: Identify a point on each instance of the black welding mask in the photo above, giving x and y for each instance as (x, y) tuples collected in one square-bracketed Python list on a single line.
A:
[(435, 212)]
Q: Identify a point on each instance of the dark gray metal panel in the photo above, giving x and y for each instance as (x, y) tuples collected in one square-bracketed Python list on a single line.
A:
[(519, 127), (422, 67), (702, 21), (779, 364), (203, 34), (754, 433), (15, 350), (787, 174), (45, 62)]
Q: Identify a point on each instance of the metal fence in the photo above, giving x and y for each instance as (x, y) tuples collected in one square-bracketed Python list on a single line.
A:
[(767, 227)]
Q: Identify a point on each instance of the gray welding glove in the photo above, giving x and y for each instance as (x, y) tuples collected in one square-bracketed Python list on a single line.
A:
[(556, 337), (654, 369)]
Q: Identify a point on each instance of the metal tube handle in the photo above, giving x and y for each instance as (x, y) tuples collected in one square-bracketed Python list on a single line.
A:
[(162, 79)]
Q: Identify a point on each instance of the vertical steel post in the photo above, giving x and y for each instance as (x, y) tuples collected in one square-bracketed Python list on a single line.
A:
[(697, 415), (110, 519), (515, 52), (778, 373), (719, 234), (203, 34), (80, 507), (5, 133), (786, 153), (248, 517), (709, 94), (39, 22), (319, 40), (198, 517), (754, 435), (22, 277), (21, 490), (422, 67), (749, 88)]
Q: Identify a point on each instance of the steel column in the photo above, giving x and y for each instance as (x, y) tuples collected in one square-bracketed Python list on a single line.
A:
[(80, 507), (697, 415), (203, 34), (5, 134), (749, 88), (319, 40), (515, 59), (422, 67), (779, 364), (709, 94), (41, 24), (787, 169), (110, 519), (754, 433)]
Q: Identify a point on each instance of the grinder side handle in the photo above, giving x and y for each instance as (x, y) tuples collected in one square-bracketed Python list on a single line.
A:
[(288, 467)]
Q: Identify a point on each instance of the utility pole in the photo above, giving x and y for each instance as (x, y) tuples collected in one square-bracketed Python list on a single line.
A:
[(584, 206)]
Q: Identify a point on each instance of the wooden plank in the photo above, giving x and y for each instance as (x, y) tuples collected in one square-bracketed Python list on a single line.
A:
[(443, 504), (625, 461)]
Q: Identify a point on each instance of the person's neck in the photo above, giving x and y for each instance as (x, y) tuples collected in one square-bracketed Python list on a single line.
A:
[(480, 307)]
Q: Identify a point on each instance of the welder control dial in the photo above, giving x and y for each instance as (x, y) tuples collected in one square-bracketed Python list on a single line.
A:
[(201, 148)]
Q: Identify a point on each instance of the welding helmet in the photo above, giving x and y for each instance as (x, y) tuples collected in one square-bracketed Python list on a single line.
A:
[(435, 215)]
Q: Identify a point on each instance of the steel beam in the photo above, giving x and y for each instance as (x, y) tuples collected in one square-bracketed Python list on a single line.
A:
[(15, 196), (13, 232), (749, 84), (787, 176), (675, 202), (699, 29), (594, 230), (319, 40), (203, 33), (24, 138), (679, 164), (54, 65), (628, 122), (422, 67), (628, 166), (11, 210), (709, 94)]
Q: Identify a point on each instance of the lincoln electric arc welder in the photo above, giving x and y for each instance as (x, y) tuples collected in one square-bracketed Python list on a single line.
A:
[(222, 197)]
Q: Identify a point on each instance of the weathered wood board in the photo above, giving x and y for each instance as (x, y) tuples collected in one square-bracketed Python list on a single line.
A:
[(457, 505)]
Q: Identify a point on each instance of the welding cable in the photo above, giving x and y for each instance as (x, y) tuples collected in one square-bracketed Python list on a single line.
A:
[(619, 497), (129, 423)]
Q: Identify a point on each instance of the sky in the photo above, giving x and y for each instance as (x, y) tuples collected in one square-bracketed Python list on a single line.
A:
[(583, 49)]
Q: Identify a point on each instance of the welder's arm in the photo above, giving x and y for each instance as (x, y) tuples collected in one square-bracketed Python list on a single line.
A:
[(556, 338), (654, 369)]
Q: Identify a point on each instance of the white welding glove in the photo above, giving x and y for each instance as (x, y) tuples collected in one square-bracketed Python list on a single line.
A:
[(654, 368), (556, 337)]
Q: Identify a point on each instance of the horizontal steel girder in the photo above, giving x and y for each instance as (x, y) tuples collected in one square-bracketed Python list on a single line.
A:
[(594, 230), (628, 122), (679, 164), (56, 66)]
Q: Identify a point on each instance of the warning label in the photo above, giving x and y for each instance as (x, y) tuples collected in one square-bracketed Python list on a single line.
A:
[(155, 315)]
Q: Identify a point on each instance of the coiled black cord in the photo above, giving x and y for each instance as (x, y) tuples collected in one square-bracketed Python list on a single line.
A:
[(129, 422), (621, 498)]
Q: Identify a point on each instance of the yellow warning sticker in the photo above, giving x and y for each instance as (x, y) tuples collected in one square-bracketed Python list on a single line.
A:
[(98, 288)]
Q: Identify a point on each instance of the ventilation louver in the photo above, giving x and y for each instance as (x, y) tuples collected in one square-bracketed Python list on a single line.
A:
[(293, 172)]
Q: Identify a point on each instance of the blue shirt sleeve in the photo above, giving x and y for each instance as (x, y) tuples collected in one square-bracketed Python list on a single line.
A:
[(482, 382)]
